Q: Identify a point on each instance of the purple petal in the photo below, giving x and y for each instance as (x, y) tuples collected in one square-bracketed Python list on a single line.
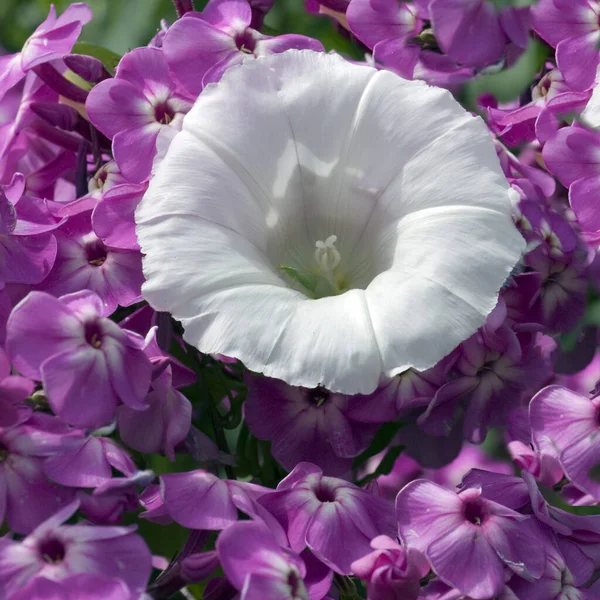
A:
[(113, 219), (373, 21), (578, 59), (561, 416), (192, 47), (513, 541), (130, 373), (427, 512), (556, 20), (115, 105), (134, 150), (198, 500), (572, 154), (146, 69), (224, 13), (39, 327), (83, 466), (464, 559), (335, 539), (26, 259), (31, 497), (468, 31), (249, 548), (583, 196), (78, 387), (52, 39), (399, 55)]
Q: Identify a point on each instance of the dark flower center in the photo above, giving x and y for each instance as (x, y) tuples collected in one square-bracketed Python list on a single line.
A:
[(324, 493), (163, 113), (93, 335), (96, 253), (245, 42), (297, 589), (52, 550), (474, 512), (3, 452), (318, 396)]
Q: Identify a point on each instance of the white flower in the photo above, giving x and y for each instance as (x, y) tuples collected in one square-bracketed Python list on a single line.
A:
[(327, 223)]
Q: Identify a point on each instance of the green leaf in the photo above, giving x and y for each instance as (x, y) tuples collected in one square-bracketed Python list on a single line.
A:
[(385, 466), (500, 4), (383, 438), (107, 57)]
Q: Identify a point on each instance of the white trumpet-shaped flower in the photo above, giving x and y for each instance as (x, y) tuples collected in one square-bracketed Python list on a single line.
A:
[(327, 223)]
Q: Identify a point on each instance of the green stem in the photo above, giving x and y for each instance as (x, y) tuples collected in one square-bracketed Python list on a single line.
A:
[(215, 417)]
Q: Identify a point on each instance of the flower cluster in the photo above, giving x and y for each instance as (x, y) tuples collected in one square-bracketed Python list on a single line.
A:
[(335, 320)]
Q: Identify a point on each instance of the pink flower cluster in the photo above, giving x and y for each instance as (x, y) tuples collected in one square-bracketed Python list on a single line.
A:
[(392, 495)]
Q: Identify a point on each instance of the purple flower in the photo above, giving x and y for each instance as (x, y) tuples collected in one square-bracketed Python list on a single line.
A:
[(391, 571), (494, 367), (51, 40), (201, 46), (572, 27), (137, 109), (570, 423), (257, 566), (56, 551), (86, 362), (476, 32), (27, 496), (84, 261), (310, 507), (305, 425), (27, 246), (13, 390), (468, 540)]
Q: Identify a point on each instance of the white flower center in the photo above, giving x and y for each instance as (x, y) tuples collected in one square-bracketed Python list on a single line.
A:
[(327, 255), (328, 258)]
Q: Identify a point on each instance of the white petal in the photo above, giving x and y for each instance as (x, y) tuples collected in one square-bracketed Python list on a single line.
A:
[(293, 148), (448, 266)]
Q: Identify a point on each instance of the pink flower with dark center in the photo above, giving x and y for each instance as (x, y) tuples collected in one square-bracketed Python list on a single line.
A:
[(86, 362), (56, 552), (468, 540), (310, 506), (306, 425), (200, 47), (138, 109), (84, 261)]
